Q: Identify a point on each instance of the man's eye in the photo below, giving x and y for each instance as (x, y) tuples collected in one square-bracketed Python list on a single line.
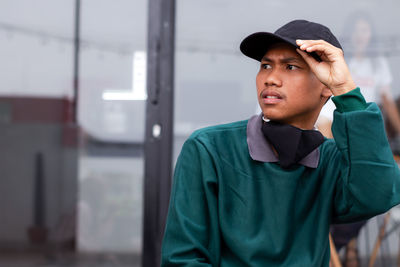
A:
[(265, 66), (292, 67)]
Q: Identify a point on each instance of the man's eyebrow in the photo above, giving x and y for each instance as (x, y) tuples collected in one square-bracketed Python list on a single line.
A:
[(283, 60)]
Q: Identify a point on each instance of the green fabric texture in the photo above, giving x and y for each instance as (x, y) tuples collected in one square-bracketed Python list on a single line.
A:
[(228, 210), (350, 101)]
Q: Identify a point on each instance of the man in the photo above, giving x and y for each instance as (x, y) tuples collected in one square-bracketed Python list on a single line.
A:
[(263, 192)]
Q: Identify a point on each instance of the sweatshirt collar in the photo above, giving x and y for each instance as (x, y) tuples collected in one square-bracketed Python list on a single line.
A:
[(260, 149)]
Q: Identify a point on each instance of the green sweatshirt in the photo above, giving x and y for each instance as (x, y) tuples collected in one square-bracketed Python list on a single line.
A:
[(228, 209)]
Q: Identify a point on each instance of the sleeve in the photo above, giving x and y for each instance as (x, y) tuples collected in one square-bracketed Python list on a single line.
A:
[(191, 236), (368, 180)]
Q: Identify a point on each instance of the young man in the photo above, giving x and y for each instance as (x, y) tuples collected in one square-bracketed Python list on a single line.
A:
[(264, 192)]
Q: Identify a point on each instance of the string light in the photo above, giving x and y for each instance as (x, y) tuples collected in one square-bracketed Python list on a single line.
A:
[(388, 45)]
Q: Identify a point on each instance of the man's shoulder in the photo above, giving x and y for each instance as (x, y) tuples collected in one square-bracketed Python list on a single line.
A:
[(226, 130)]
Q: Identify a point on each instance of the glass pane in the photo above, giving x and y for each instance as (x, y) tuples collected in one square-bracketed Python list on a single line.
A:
[(72, 196), (38, 149), (36, 55), (112, 112), (215, 83)]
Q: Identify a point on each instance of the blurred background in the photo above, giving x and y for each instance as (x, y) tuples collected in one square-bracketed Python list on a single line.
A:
[(72, 121)]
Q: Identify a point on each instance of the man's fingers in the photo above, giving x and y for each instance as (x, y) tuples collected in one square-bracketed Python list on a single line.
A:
[(324, 52), (311, 45), (307, 58), (311, 42), (322, 48)]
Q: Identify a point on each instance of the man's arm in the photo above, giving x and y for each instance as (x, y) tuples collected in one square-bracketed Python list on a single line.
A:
[(368, 181), (192, 233)]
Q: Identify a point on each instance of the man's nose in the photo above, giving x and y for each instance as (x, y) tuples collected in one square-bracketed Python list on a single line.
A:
[(273, 78)]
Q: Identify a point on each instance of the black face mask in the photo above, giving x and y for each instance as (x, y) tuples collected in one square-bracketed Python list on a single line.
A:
[(292, 144)]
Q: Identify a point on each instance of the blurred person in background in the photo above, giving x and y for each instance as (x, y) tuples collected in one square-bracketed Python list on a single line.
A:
[(370, 70)]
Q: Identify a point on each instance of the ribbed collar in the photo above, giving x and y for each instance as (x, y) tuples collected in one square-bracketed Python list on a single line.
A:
[(261, 150)]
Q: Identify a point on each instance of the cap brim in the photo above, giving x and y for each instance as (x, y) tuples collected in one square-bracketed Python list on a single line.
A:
[(256, 45)]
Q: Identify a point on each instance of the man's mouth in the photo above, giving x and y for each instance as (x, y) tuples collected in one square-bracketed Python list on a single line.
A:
[(271, 97)]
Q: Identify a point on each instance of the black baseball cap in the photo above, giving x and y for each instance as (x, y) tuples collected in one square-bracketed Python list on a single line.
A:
[(257, 44)]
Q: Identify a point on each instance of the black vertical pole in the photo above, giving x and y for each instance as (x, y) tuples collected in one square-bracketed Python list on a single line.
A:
[(159, 126), (76, 61), (37, 233), (39, 201)]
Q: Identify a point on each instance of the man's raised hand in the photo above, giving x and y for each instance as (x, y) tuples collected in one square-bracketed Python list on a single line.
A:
[(332, 70)]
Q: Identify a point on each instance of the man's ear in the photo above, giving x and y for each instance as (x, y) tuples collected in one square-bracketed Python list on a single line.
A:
[(326, 92)]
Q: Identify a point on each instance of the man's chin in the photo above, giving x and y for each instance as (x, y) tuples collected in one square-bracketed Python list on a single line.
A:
[(272, 116), (276, 118)]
